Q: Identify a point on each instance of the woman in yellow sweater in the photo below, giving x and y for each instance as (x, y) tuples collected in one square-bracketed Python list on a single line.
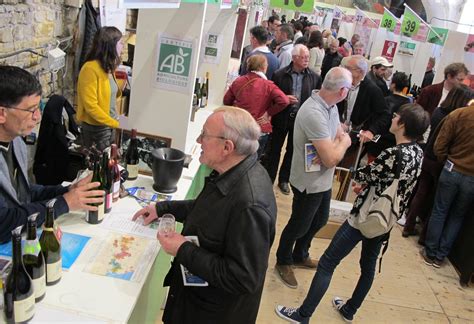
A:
[(98, 91)]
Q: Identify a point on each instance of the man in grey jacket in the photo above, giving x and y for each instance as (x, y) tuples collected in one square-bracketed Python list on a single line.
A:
[(20, 95)]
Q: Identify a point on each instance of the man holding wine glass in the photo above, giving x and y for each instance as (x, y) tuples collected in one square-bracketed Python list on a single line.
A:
[(228, 229), (20, 95)]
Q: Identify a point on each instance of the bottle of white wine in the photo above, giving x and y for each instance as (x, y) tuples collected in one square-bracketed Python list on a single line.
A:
[(205, 92), (51, 247), (33, 259), (131, 156), (19, 293)]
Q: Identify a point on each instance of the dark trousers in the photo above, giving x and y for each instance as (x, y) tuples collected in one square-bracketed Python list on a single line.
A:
[(262, 144), (100, 136), (310, 212), (344, 241), (453, 199), (272, 160), (422, 201)]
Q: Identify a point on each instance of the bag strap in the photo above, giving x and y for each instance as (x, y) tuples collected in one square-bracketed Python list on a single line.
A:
[(399, 163), (245, 85), (385, 240)]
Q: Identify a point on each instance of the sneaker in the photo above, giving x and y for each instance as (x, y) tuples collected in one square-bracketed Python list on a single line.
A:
[(284, 188), (307, 263), (429, 261), (402, 221), (286, 274), (438, 263), (290, 314), (337, 302)]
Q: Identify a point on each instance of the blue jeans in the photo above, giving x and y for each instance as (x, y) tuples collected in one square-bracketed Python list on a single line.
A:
[(344, 241), (309, 213), (454, 196)]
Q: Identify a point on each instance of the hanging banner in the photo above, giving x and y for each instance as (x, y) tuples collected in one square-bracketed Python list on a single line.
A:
[(226, 4), (359, 16), (407, 48), (389, 21), (148, 4), (410, 24), (173, 63), (388, 51), (434, 39), (337, 13), (295, 5)]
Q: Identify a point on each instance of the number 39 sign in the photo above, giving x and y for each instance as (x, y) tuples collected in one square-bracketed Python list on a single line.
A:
[(295, 5), (410, 24)]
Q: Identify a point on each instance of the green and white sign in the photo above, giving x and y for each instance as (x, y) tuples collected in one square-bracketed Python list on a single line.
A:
[(434, 39), (388, 21), (410, 24), (211, 51), (407, 48), (295, 5), (174, 61)]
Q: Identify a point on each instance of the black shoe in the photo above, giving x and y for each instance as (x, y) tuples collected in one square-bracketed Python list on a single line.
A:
[(407, 233), (284, 188)]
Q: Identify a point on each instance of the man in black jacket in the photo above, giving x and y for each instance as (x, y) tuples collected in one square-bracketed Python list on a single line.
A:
[(378, 67), (233, 220), (297, 81), (364, 109), (332, 58)]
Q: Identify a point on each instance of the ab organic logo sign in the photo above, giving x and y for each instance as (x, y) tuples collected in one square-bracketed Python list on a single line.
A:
[(174, 63)]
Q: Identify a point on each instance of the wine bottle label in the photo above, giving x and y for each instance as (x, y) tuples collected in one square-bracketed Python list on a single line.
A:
[(58, 232), (32, 247), (39, 286), (108, 200), (132, 170), (100, 213), (54, 271), (116, 189), (24, 309)]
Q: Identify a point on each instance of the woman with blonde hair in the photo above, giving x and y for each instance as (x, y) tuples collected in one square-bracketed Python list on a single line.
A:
[(259, 96)]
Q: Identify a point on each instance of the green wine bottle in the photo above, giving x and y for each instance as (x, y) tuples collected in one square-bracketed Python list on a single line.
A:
[(33, 259), (96, 216), (19, 293), (51, 247)]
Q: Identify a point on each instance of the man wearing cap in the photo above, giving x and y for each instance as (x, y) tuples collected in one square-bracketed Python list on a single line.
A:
[(378, 66)]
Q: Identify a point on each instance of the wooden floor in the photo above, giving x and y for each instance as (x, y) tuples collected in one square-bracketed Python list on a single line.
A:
[(407, 290)]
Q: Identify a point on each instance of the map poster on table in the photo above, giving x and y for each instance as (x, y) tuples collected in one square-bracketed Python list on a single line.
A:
[(173, 63), (123, 257)]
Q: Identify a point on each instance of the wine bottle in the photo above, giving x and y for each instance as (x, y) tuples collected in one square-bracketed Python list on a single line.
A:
[(113, 165), (197, 94), (131, 156), (106, 180), (33, 259), (51, 247), (96, 216), (19, 294), (204, 92)]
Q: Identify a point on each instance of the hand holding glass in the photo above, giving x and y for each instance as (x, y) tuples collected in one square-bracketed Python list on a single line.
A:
[(166, 225)]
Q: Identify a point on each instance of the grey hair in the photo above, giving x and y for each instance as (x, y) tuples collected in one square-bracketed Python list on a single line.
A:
[(332, 39), (297, 49), (240, 128), (359, 61), (337, 78)]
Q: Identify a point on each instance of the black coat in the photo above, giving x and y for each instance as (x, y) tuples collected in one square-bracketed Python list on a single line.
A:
[(370, 111), (52, 154), (284, 81), (234, 219)]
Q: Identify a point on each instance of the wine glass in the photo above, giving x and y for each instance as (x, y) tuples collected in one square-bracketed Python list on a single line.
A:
[(166, 225)]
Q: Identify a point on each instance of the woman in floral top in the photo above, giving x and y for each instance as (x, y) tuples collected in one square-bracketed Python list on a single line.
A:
[(408, 125)]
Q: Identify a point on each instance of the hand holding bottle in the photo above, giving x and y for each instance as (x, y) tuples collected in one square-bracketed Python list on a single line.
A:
[(81, 194)]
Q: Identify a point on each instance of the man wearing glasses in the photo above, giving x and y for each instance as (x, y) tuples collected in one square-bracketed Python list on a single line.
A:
[(20, 95), (233, 219)]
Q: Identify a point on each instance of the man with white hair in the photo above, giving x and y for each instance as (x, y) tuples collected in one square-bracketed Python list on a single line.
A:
[(233, 219), (317, 124), (332, 57), (297, 81), (364, 109)]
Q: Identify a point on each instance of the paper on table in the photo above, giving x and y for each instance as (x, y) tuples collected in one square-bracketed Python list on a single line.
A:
[(120, 220)]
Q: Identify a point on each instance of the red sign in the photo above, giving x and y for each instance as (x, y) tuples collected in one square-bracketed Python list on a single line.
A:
[(388, 51)]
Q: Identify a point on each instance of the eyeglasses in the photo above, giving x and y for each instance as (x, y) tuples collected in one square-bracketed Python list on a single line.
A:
[(31, 110), (305, 57), (202, 135), (395, 115)]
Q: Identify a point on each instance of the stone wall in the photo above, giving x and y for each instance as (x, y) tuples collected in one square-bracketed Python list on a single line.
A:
[(38, 24)]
